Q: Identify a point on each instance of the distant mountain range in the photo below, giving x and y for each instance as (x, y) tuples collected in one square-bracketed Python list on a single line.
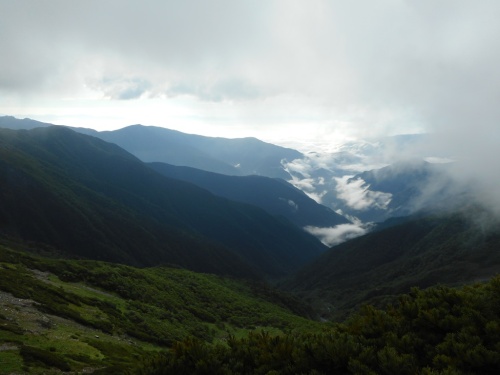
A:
[(93, 199), (239, 157), (362, 181)]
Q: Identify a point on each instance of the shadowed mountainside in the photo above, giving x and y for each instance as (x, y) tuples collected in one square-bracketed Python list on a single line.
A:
[(86, 196), (239, 156), (447, 248), (276, 196)]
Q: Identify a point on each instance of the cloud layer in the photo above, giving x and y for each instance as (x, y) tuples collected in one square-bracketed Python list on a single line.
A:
[(365, 67), (278, 69)]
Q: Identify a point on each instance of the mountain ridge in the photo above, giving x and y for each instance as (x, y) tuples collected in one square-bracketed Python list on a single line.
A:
[(238, 156), (276, 196), (449, 248), (97, 167)]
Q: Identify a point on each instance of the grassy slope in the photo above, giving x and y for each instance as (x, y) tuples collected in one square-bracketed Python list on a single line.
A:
[(72, 315)]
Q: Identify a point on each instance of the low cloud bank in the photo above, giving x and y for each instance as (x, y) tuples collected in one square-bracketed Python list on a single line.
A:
[(356, 194), (332, 236)]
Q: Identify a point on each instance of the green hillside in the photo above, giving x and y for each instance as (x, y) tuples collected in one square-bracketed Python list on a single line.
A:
[(451, 249), (77, 316), (440, 330), (74, 315), (91, 198)]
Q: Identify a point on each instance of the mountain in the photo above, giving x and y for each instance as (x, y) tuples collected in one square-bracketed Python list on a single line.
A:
[(240, 156), (399, 189), (424, 251), (10, 122), (81, 316), (274, 195), (41, 202), (375, 180), (94, 199)]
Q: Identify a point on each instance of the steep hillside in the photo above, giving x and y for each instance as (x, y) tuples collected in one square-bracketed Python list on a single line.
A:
[(276, 196), (68, 190), (451, 249), (40, 202), (88, 316)]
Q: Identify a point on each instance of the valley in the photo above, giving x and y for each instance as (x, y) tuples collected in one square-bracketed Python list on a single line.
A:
[(149, 251)]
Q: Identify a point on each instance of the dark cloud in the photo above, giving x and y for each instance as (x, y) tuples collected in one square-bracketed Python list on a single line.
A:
[(224, 89), (121, 88)]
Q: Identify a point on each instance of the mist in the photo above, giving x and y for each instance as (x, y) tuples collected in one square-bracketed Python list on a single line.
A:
[(331, 236), (315, 73)]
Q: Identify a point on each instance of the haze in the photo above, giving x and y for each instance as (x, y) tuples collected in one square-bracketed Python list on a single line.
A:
[(308, 72)]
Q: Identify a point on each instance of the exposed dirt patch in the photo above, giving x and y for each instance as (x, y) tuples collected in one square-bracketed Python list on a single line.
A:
[(8, 346)]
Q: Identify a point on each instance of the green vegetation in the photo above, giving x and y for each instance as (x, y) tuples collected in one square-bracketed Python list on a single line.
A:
[(75, 316), (67, 195), (88, 198), (452, 249), (69, 315), (435, 331)]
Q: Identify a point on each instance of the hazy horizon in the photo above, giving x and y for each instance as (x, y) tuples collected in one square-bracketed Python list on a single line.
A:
[(316, 72)]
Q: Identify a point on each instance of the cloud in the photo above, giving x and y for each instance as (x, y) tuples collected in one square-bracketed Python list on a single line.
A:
[(356, 194), (359, 69), (224, 89), (332, 236), (291, 203), (121, 88)]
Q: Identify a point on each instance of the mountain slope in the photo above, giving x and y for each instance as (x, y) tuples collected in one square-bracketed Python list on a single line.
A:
[(239, 156), (422, 252), (82, 315), (276, 196), (41, 202), (242, 156), (10, 122), (399, 189), (85, 168)]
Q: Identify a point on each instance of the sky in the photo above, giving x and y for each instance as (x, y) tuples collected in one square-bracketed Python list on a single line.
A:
[(281, 70)]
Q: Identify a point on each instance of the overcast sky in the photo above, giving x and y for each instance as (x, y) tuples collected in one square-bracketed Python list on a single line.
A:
[(278, 70)]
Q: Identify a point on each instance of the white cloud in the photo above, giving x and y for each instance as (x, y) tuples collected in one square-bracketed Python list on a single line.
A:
[(356, 194), (332, 236), (291, 203), (309, 71), (355, 68)]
